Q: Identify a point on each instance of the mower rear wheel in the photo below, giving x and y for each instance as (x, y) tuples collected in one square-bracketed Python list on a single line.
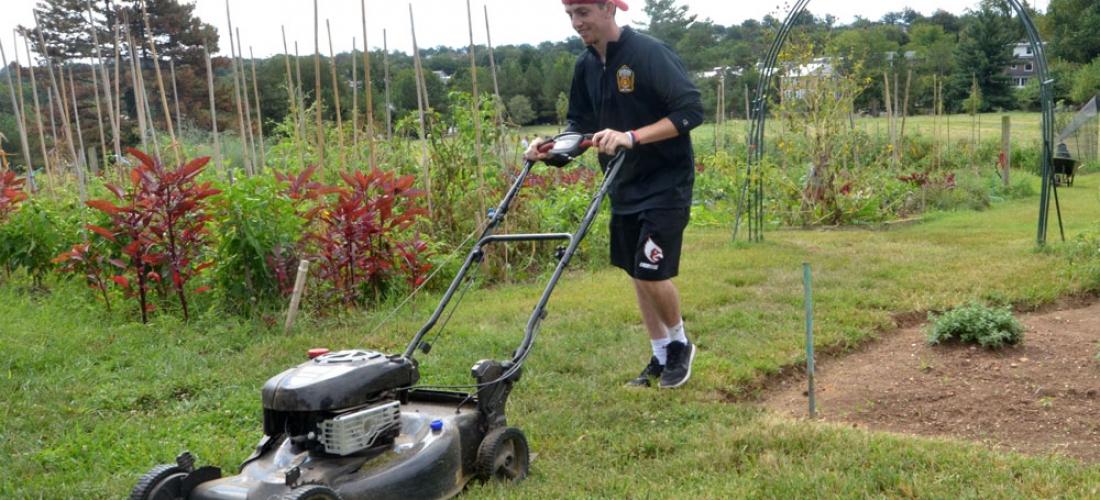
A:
[(163, 482), (503, 456), (313, 492)]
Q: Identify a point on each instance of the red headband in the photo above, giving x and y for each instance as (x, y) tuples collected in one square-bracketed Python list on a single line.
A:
[(618, 3)]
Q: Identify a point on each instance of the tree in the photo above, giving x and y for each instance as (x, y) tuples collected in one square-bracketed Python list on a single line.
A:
[(1074, 26), (175, 31), (667, 22), (983, 54), (519, 109)]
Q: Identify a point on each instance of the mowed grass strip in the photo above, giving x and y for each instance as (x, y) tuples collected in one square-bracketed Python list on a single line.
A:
[(90, 402)]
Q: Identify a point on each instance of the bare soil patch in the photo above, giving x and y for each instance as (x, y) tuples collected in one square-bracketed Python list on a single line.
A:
[(1040, 397)]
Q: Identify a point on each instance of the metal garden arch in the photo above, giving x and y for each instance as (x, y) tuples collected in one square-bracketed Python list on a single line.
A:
[(752, 192)]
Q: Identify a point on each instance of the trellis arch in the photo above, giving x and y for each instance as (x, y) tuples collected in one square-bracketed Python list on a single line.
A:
[(752, 191)]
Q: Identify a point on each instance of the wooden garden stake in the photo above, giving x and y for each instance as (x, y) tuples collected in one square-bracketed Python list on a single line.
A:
[(160, 85), (336, 99), (106, 79), (354, 105), (256, 165), (318, 103), (386, 83), (37, 109), (242, 135), (53, 81), (176, 98), (18, 111), (213, 111), (421, 105), (259, 115), (475, 112), (367, 88), (294, 104), (296, 298)]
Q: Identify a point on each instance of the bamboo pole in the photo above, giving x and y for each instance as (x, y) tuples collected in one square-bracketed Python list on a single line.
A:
[(318, 103), (176, 98), (904, 113), (890, 121), (301, 93), (53, 81), (118, 84), (259, 114), (367, 87), (105, 77), (23, 135), (37, 109), (421, 105), (493, 69), (354, 104), (98, 109), (476, 114), (18, 110), (336, 100), (386, 84), (242, 135), (160, 84), (213, 111), (292, 95), (256, 164), (146, 106), (139, 101), (81, 175), (53, 122)]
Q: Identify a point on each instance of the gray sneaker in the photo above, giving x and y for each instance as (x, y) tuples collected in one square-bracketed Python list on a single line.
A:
[(678, 369), (652, 371)]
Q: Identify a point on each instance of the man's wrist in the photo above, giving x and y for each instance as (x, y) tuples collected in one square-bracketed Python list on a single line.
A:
[(633, 138)]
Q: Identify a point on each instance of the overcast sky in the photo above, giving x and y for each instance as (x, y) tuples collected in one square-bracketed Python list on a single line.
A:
[(445, 22)]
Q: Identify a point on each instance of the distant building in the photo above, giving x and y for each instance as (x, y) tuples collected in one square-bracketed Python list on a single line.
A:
[(1022, 68)]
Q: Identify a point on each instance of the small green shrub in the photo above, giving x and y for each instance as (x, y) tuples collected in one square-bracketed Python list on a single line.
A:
[(974, 322)]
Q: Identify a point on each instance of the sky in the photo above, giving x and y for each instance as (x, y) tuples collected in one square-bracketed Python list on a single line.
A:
[(447, 22)]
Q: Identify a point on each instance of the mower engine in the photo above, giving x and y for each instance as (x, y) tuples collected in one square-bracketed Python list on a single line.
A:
[(339, 403)]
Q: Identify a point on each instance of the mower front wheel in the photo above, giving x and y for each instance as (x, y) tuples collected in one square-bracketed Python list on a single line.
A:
[(503, 456), (163, 482), (314, 492)]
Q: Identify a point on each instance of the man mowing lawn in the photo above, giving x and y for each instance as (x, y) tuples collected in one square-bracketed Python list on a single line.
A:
[(632, 91)]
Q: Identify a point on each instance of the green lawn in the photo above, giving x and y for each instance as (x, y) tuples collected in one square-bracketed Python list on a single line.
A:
[(91, 402)]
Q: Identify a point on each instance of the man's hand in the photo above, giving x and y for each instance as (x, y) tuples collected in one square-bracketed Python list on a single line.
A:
[(608, 141), (532, 154)]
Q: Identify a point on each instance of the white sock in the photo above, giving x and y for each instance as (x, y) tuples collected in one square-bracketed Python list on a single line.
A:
[(660, 350), (676, 334)]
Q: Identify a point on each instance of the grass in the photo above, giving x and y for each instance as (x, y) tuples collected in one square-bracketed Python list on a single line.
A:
[(91, 402)]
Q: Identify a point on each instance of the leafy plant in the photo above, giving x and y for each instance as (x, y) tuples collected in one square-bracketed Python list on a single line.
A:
[(356, 235), (29, 239), (160, 228), (976, 323), (11, 193)]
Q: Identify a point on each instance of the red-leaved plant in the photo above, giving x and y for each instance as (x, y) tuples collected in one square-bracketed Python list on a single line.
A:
[(83, 260), (11, 193), (159, 227), (356, 235)]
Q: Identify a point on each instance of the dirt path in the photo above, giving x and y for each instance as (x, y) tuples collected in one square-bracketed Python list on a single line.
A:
[(1041, 397)]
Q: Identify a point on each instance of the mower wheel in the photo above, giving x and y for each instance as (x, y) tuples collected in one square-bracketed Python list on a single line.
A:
[(313, 492), (163, 482), (503, 456)]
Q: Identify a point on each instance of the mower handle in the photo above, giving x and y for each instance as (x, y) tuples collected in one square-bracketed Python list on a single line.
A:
[(548, 145)]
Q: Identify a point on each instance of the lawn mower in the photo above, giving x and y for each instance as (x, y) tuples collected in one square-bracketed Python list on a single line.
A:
[(355, 424)]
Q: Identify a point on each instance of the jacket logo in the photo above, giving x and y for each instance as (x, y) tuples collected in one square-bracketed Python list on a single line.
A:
[(625, 78)]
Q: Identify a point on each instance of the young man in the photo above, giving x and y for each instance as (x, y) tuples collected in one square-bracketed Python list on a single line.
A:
[(631, 91)]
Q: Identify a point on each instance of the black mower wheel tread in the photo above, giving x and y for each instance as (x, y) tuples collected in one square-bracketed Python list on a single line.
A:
[(313, 492), (148, 483), (503, 456)]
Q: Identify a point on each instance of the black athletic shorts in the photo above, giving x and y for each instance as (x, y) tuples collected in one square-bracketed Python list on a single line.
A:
[(647, 244)]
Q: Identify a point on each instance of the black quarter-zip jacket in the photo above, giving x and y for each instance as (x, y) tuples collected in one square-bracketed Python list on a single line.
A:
[(642, 82)]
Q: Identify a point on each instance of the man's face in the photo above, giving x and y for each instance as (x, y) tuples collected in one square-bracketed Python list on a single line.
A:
[(591, 21)]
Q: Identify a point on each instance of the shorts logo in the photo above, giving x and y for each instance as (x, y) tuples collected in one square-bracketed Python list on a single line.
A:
[(653, 253), (625, 78)]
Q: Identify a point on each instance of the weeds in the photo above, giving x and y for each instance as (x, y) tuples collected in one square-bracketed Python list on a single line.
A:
[(976, 323)]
